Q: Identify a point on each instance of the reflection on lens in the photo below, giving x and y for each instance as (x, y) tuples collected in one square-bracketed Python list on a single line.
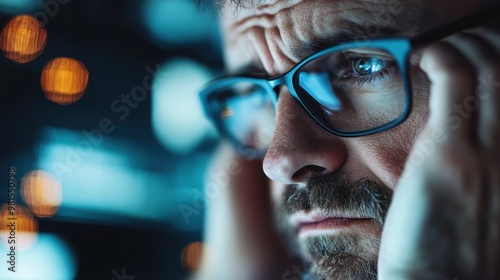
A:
[(247, 114), (319, 84), (353, 90), (367, 66), (227, 112)]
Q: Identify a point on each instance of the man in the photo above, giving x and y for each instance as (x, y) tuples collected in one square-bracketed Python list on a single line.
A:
[(345, 134)]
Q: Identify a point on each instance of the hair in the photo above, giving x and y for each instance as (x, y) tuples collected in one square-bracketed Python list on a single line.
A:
[(221, 4)]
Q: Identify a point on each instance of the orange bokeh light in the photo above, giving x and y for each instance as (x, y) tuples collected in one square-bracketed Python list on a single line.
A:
[(25, 232), (23, 39), (42, 192), (192, 254), (64, 80)]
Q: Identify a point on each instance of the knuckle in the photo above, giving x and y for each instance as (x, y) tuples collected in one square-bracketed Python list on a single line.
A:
[(445, 58)]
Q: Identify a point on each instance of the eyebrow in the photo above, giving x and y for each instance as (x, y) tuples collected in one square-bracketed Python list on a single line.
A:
[(349, 31), (251, 69)]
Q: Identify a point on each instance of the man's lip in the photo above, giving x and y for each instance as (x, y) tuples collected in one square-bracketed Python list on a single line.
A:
[(314, 218)]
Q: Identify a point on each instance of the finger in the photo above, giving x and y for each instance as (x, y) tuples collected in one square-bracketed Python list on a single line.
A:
[(489, 84), (486, 60), (493, 242), (452, 80), (489, 49), (490, 35)]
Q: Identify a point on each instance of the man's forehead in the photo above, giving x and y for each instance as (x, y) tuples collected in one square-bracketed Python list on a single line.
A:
[(244, 7), (299, 28), (233, 9)]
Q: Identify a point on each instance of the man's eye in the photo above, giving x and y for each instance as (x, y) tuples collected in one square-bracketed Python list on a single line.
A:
[(367, 65)]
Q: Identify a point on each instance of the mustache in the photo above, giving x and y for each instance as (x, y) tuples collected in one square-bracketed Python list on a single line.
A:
[(335, 192)]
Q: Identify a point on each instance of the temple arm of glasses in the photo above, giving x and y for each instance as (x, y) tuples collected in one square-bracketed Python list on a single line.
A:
[(436, 34)]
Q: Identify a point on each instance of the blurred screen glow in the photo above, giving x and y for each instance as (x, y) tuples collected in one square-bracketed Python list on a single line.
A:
[(49, 259), (23, 39), (105, 182), (64, 80), (100, 181), (26, 227), (42, 193), (178, 119), (177, 21), (17, 6)]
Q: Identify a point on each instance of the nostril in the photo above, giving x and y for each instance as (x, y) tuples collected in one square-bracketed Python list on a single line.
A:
[(305, 172)]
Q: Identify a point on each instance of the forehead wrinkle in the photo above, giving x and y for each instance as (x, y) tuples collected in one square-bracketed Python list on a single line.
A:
[(294, 27), (280, 60), (242, 33), (277, 6), (264, 35), (264, 39), (328, 22), (282, 38), (243, 8), (340, 21), (264, 49), (295, 30), (242, 25), (354, 19), (239, 15)]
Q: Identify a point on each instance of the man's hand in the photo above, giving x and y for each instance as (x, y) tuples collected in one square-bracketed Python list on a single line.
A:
[(239, 233), (444, 221)]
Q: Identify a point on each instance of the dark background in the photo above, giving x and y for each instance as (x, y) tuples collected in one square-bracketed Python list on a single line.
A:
[(112, 38)]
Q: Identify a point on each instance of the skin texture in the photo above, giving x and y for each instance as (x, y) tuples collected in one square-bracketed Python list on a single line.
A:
[(268, 39), (300, 148), (272, 36)]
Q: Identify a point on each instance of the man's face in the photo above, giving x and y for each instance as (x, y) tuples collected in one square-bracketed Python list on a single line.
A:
[(331, 194)]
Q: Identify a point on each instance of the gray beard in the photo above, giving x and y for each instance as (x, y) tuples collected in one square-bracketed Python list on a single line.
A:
[(341, 256)]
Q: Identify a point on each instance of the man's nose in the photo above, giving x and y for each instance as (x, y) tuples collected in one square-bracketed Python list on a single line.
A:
[(300, 147)]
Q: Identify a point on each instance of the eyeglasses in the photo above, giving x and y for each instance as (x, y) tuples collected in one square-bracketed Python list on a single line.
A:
[(352, 89)]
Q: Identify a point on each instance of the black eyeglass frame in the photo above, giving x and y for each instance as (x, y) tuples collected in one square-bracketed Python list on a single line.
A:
[(400, 47)]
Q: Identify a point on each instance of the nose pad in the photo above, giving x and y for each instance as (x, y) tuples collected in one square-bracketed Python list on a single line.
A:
[(300, 147)]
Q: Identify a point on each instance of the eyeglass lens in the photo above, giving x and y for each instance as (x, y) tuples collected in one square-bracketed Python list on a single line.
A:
[(246, 113), (350, 90), (353, 90)]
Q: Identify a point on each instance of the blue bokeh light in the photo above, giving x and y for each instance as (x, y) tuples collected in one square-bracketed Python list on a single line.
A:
[(178, 119), (17, 6), (178, 22), (49, 259)]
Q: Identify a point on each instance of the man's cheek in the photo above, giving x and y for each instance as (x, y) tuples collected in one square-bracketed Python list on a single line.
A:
[(406, 135), (385, 155)]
